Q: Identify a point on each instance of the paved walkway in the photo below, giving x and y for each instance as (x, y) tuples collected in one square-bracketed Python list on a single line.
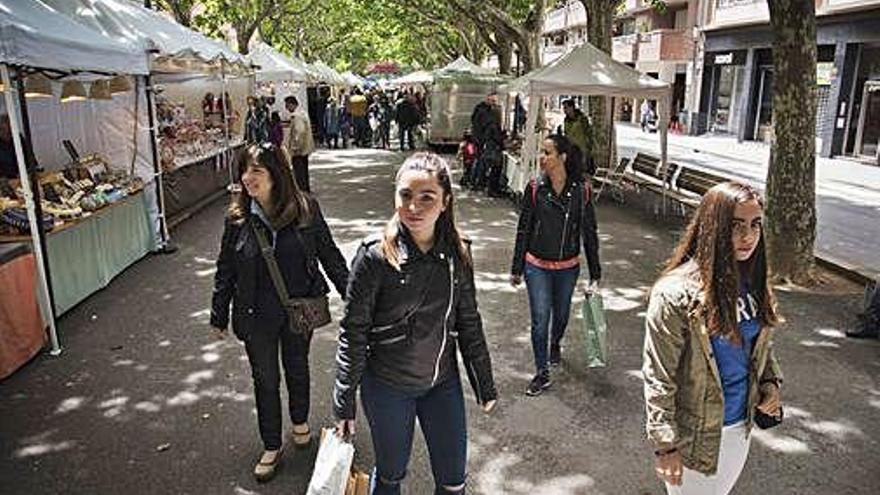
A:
[(847, 192), (143, 401)]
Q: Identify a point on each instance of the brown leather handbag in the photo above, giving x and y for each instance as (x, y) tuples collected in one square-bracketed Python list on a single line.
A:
[(305, 314)]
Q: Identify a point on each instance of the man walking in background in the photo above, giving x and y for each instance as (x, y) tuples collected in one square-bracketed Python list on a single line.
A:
[(300, 143)]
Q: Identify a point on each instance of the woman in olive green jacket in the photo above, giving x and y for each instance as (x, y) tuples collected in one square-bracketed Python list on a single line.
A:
[(708, 356)]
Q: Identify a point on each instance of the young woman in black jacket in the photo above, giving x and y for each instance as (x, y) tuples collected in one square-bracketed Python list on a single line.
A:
[(555, 217), (273, 205), (411, 302)]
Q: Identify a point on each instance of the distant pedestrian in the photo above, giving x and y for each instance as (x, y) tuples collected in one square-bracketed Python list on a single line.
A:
[(358, 106), (579, 131), (556, 218), (331, 124), (467, 155), (256, 121), (709, 368), (486, 128), (407, 117), (276, 130), (648, 117), (272, 205), (300, 142), (411, 309)]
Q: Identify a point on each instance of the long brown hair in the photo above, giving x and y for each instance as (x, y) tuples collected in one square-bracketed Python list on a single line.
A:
[(708, 241), (287, 198), (445, 230)]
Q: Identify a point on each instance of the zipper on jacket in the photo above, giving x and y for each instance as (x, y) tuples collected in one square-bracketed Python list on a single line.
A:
[(445, 321), (565, 226)]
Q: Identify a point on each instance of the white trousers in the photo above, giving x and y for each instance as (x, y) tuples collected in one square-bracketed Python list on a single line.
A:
[(731, 459)]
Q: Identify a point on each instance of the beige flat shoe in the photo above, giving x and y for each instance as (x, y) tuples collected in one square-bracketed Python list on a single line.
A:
[(301, 435), (266, 467)]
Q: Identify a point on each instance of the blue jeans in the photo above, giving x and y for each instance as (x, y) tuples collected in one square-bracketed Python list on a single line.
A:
[(550, 294), (392, 414)]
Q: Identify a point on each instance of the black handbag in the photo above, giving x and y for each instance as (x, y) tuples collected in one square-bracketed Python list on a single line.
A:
[(305, 314)]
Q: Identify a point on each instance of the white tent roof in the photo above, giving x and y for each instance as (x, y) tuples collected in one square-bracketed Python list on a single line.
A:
[(275, 66), (36, 35), (328, 74), (179, 49), (352, 79), (587, 70), (417, 77), (464, 65)]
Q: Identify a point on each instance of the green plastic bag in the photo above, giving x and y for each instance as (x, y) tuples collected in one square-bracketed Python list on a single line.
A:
[(595, 332)]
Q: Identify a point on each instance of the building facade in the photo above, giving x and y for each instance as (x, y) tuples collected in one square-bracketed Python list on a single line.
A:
[(736, 72)]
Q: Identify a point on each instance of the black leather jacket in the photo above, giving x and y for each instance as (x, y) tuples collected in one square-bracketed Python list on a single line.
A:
[(243, 278), (404, 326), (551, 227)]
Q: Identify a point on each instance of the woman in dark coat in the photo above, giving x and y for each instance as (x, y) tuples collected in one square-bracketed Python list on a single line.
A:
[(272, 205)]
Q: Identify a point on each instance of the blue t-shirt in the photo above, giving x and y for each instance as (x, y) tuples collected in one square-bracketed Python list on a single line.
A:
[(733, 359)]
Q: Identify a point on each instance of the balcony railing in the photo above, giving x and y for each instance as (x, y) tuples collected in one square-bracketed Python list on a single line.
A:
[(625, 48), (665, 44)]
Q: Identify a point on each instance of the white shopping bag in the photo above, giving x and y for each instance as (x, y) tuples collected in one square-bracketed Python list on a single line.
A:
[(333, 465)]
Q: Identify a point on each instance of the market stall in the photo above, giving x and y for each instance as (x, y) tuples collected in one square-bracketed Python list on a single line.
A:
[(456, 90), (191, 148), (278, 76), (584, 71), (66, 76)]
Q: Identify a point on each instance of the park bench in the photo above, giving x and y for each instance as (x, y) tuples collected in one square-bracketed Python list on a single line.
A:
[(645, 172), (690, 184), (685, 185), (610, 178)]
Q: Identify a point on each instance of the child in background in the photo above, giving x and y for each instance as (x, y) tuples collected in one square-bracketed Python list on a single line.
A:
[(467, 155)]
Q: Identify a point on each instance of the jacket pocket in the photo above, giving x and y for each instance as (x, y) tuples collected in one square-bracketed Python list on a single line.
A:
[(397, 334), (242, 322)]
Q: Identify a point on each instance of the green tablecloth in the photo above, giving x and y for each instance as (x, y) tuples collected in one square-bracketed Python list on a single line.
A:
[(85, 257)]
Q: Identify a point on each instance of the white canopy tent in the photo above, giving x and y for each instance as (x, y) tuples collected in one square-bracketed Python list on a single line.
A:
[(274, 66), (461, 64), (352, 79), (279, 75), (586, 71), (329, 75), (36, 36), (177, 48), (415, 78)]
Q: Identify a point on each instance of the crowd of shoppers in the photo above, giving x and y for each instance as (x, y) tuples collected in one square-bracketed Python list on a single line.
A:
[(710, 373)]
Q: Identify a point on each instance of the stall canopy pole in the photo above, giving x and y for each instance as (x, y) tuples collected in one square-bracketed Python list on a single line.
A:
[(34, 220), (158, 176)]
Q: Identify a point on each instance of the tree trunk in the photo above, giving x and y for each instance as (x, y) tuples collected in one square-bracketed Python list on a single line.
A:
[(504, 52), (243, 37), (599, 16), (790, 222)]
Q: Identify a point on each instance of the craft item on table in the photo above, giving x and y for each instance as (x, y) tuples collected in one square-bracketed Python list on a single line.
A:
[(18, 219), (61, 211)]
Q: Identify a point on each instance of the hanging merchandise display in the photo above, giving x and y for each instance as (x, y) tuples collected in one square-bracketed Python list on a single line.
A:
[(184, 139)]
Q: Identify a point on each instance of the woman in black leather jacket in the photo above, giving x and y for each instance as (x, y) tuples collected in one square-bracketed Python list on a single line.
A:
[(292, 223), (411, 302), (555, 217)]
